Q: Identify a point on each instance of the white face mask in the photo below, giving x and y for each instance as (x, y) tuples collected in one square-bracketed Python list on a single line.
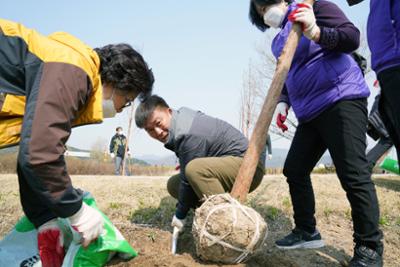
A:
[(109, 110), (120, 132), (274, 16)]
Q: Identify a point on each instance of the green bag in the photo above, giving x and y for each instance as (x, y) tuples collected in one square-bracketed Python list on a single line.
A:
[(391, 165), (19, 247)]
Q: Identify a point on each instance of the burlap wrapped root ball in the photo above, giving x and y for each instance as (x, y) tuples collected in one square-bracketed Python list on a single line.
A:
[(226, 231)]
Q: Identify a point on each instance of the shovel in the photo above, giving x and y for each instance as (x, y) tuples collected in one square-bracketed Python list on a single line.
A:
[(259, 136), (175, 235)]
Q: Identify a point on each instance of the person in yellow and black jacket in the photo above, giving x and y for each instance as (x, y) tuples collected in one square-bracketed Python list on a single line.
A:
[(49, 84)]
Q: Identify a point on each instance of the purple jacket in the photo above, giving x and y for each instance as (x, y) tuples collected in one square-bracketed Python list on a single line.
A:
[(322, 73), (383, 31)]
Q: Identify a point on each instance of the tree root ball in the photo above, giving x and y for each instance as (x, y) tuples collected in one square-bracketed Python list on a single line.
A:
[(226, 231)]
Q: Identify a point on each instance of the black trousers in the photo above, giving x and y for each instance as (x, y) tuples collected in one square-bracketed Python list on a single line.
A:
[(389, 104), (342, 130)]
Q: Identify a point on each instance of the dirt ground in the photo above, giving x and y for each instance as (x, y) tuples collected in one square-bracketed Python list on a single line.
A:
[(141, 208)]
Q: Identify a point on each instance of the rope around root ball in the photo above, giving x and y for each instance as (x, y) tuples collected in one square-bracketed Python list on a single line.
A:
[(233, 204)]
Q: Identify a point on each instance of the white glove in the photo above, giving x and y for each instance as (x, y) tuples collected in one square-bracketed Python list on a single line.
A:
[(269, 156), (112, 155), (282, 112), (178, 223), (304, 14), (88, 222)]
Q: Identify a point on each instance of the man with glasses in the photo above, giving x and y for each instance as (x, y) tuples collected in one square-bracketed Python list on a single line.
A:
[(49, 84)]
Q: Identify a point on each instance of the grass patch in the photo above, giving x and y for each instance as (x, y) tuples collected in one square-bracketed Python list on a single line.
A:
[(327, 212), (384, 220), (391, 184), (347, 214), (91, 166), (145, 215), (287, 203), (152, 236), (267, 212), (273, 213), (115, 205), (158, 216), (142, 203)]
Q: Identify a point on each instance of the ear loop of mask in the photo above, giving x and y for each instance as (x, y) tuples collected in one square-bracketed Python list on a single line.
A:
[(112, 94), (109, 110)]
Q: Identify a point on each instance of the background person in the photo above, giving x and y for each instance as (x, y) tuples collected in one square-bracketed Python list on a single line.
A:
[(117, 151)]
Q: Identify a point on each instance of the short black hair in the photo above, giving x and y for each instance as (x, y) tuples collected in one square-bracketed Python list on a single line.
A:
[(124, 68), (146, 108), (255, 18), (119, 127)]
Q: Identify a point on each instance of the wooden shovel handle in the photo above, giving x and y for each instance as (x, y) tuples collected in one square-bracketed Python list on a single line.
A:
[(259, 136)]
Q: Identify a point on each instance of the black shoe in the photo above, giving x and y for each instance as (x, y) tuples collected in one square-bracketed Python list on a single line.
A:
[(300, 239), (365, 257)]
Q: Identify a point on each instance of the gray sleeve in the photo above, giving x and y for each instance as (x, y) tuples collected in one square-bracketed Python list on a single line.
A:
[(189, 148)]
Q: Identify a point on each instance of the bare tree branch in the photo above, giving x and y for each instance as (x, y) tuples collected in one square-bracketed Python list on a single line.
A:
[(256, 81)]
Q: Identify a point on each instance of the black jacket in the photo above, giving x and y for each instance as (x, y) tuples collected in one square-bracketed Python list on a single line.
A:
[(117, 145)]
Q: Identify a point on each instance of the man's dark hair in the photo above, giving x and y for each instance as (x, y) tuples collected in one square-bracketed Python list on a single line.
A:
[(119, 127), (255, 18), (146, 108), (124, 68)]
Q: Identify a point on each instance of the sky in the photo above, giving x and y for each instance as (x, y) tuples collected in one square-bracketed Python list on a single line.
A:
[(198, 51)]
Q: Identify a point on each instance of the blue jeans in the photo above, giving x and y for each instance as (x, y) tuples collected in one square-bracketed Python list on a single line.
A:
[(118, 166)]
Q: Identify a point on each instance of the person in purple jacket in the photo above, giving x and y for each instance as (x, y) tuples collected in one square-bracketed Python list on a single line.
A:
[(383, 33), (328, 94)]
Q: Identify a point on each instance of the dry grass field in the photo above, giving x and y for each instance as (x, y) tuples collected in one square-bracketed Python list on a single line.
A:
[(141, 208)]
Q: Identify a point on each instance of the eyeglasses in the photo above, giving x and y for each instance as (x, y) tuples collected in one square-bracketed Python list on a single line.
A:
[(128, 99), (128, 102)]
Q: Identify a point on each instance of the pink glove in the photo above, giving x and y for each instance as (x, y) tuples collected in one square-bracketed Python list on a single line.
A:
[(282, 111), (51, 244), (304, 14)]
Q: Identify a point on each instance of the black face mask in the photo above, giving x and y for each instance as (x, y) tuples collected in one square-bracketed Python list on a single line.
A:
[(354, 2)]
